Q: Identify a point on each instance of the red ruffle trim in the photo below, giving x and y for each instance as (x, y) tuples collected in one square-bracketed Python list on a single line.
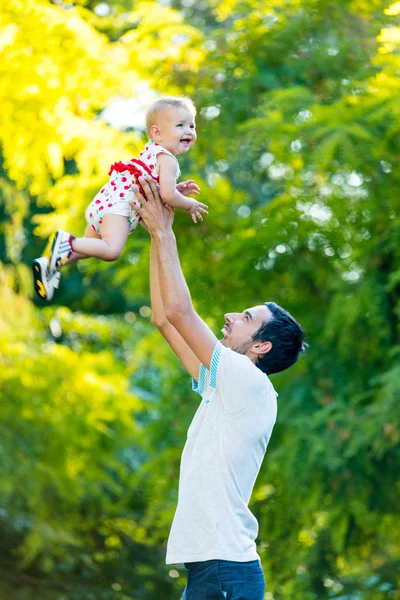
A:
[(131, 167)]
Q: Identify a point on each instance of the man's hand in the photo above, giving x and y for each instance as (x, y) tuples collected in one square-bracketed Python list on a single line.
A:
[(188, 187), (157, 215)]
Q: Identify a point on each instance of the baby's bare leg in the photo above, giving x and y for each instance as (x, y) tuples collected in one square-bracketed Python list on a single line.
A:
[(89, 233), (107, 246)]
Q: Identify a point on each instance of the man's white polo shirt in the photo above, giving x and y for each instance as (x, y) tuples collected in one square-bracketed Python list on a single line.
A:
[(225, 447)]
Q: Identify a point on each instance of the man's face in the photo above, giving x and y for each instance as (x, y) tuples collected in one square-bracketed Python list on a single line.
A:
[(240, 327)]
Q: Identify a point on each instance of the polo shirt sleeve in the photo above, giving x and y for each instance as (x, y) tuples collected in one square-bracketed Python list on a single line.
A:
[(202, 382), (207, 378)]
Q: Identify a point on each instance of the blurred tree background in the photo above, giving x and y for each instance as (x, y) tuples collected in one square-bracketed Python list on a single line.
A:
[(298, 157)]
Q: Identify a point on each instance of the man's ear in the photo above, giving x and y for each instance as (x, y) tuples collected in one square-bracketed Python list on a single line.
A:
[(261, 348), (156, 133)]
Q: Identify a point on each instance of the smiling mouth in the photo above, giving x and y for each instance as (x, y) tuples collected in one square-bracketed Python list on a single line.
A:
[(186, 141), (225, 331)]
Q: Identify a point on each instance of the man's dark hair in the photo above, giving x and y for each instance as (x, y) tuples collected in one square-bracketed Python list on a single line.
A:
[(286, 337)]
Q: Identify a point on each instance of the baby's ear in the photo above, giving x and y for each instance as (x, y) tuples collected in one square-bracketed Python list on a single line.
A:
[(155, 133)]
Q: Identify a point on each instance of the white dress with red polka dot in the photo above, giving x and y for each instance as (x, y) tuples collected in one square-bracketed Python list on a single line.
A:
[(114, 197)]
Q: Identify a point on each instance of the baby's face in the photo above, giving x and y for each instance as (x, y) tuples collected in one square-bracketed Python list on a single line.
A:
[(176, 130)]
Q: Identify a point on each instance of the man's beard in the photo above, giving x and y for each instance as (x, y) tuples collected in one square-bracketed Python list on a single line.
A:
[(239, 348)]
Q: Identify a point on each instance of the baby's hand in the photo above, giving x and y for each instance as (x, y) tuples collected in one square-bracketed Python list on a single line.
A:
[(188, 187), (196, 208)]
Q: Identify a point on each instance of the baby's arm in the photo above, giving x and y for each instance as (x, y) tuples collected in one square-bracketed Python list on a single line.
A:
[(168, 170)]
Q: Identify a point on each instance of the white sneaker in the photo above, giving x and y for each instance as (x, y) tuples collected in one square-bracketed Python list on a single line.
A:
[(61, 250), (44, 281)]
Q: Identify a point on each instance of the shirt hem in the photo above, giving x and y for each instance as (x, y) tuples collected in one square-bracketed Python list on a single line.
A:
[(175, 560)]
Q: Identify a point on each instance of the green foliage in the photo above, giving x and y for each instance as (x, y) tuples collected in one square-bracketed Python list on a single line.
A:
[(297, 158)]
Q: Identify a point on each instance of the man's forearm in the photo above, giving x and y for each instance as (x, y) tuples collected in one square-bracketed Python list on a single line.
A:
[(174, 291), (158, 317)]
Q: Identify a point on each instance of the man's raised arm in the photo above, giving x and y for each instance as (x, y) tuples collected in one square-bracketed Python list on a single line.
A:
[(168, 331), (175, 295)]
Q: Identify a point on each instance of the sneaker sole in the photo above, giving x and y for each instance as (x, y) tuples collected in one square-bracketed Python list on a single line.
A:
[(37, 280), (54, 251)]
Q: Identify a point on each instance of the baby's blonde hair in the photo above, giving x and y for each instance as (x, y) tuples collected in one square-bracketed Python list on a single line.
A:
[(164, 103)]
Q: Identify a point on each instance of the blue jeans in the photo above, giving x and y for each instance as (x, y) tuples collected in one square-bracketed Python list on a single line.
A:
[(224, 580)]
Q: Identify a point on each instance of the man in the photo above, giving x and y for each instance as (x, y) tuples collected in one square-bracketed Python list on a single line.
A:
[(213, 532)]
